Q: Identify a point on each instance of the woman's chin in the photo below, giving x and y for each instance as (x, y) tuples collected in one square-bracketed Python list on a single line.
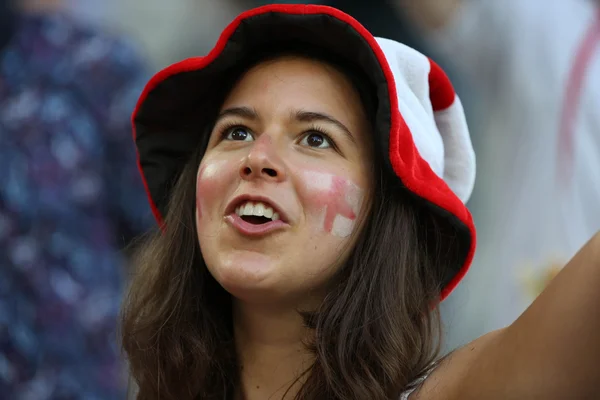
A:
[(248, 275)]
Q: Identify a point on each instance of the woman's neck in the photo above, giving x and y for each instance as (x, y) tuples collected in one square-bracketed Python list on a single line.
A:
[(271, 350)]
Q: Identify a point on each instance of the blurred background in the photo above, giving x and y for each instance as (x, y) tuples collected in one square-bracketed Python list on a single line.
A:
[(71, 200)]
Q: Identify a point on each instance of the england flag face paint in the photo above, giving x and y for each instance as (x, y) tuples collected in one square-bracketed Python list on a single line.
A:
[(336, 199)]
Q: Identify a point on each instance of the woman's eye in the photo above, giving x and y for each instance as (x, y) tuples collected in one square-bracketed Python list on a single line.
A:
[(239, 134), (316, 140)]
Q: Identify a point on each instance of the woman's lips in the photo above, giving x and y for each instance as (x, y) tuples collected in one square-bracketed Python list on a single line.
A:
[(254, 230)]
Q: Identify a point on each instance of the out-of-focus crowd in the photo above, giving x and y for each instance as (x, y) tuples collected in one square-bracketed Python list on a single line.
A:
[(71, 200)]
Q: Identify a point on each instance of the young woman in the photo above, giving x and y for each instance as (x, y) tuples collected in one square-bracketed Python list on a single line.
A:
[(309, 182)]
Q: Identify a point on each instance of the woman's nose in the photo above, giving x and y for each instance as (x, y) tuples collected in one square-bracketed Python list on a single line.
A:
[(263, 161)]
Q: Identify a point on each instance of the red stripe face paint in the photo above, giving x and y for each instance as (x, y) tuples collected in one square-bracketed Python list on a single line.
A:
[(337, 203)]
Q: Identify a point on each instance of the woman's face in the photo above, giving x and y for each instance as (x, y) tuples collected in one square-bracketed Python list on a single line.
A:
[(284, 181)]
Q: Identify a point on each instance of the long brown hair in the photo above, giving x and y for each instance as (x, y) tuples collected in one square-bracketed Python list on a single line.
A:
[(375, 332)]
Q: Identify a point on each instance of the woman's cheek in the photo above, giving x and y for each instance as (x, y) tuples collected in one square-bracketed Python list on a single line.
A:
[(333, 201), (211, 183)]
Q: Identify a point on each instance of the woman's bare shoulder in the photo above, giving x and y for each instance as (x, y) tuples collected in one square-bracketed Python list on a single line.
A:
[(445, 381)]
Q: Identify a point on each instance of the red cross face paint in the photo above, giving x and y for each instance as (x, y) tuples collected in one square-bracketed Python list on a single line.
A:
[(336, 199)]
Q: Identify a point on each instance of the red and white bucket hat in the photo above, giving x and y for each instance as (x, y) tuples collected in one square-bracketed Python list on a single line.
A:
[(420, 123)]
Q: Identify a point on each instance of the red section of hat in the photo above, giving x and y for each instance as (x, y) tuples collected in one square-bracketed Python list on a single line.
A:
[(441, 91)]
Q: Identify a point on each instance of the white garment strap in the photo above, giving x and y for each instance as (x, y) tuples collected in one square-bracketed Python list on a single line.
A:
[(418, 382)]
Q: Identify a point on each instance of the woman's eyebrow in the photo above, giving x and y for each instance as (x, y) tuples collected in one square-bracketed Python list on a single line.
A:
[(312, 116), (243, 112)]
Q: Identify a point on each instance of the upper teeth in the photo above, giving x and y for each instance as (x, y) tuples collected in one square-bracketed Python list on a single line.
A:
[(257, 209)]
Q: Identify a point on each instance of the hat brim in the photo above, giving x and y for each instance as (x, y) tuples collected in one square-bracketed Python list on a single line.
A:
[(169, 113)]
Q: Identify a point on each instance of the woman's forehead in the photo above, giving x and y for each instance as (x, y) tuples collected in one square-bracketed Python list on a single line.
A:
[(291, 83)]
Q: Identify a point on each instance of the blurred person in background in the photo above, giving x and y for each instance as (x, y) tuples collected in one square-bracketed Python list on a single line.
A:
[(70, 199), (535, 67), (377, 16), (152, 22)]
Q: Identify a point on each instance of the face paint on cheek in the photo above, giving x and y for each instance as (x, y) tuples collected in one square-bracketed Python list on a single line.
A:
[(338, 198), (209, 177)]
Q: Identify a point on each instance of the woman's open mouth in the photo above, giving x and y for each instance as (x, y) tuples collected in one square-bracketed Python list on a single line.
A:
[(255, 218)]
